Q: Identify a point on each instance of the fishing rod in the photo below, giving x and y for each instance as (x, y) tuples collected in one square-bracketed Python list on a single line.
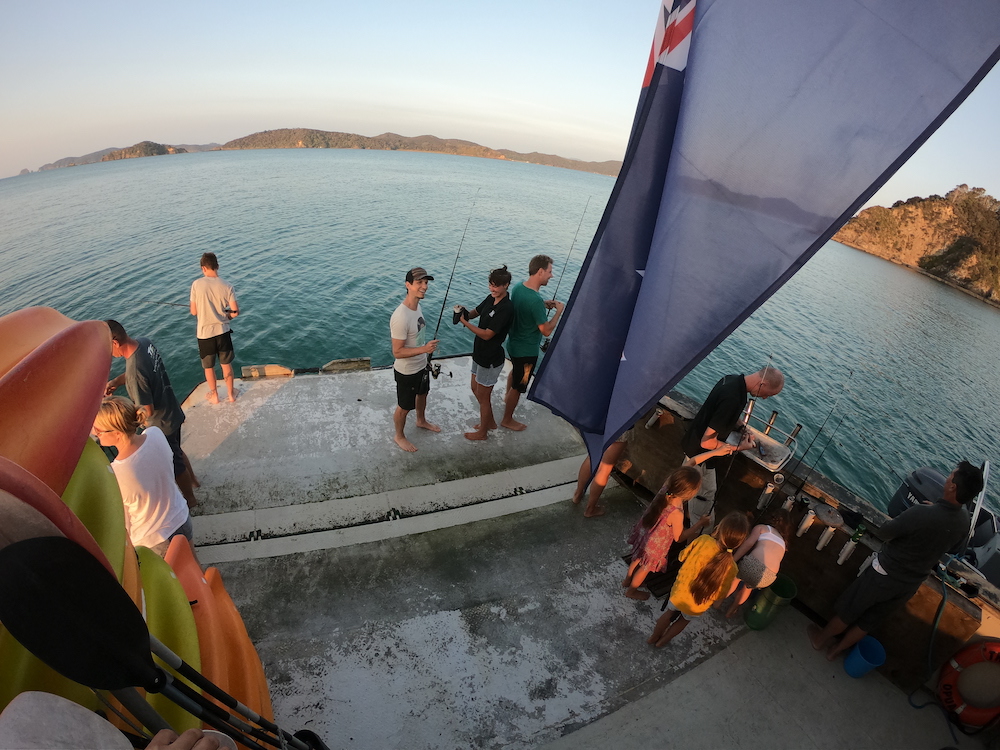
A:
[(843, 390), (821, 454), (167, 304), (452, 277), (572, 245), (545, 344)]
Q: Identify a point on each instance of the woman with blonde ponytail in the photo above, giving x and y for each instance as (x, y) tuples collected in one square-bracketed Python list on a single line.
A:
[(705, 577), (155, 509)]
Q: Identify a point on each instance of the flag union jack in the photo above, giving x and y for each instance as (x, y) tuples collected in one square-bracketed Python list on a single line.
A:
[(672, 37)]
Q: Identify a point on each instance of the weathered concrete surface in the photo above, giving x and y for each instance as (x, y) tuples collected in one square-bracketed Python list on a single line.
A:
[(771, 691), (299, 456), (507, 632), (315, 437)]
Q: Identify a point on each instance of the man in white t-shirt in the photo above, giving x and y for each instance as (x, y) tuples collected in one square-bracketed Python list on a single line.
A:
[(214, 302), (406, 326)]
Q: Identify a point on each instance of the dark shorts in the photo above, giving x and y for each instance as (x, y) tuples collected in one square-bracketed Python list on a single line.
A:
[(871, 598), (408, 387), (220, 346), (521, 371), (174, 441)]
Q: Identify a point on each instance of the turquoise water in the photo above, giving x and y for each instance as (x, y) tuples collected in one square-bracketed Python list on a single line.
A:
[(317, 242)]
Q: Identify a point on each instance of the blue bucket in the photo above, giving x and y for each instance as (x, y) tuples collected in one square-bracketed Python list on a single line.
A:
[(867, 654)]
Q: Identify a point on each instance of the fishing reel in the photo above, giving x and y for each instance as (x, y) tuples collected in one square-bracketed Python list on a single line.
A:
[(435, 370), (545, 345)]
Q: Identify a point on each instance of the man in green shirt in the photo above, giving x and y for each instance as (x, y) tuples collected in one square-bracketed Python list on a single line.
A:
[(531, 323)]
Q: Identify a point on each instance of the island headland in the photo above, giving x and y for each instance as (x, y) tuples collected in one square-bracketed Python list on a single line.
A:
[(308, 138), (955, 238)]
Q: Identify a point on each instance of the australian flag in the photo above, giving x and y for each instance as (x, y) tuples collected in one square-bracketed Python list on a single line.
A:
[(761, 128)]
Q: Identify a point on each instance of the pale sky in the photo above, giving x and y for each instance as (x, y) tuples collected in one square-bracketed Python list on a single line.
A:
[(541, 75)]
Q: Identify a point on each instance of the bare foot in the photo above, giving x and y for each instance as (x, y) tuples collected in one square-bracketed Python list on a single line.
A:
[(232, 395), (405, 444), (514, 425), (627, 580), (663, 641), (652, 639), (640, 596), (477, 428), (425, 425), (476, 435), (815, 632), (594, 512), (212, 397), (577, 497), (732, 611)]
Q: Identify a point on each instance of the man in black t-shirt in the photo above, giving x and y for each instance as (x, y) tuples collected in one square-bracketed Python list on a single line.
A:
[(715, 420), (914, 542), (148, 385), (495, 314)]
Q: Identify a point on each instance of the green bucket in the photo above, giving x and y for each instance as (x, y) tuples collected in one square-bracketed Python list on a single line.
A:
[(769, 602)]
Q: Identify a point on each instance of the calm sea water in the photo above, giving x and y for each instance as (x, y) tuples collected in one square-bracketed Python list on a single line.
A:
[(317, 242)]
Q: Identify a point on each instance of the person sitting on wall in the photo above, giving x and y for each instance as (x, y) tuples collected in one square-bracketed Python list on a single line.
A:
[(914, 542)]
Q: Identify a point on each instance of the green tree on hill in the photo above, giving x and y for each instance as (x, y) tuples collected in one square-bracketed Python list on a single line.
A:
[(977, 215)]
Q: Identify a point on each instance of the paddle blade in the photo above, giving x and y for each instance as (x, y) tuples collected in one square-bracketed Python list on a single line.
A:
[(69, 611)]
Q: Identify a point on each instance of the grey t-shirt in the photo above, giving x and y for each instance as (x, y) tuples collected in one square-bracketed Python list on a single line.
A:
[(148, 384), (917, 537)]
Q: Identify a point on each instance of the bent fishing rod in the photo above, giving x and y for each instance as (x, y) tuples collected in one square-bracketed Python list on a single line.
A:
[(454, 266)]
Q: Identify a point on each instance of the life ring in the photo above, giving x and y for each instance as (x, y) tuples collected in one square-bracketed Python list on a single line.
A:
[(952, 699)]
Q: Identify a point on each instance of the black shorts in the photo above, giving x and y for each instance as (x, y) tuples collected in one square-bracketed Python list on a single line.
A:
[(872, 597), (408, 387), (521, 371), (221, 346), (174, 441)]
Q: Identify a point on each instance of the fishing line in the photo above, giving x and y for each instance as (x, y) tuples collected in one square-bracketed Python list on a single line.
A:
[(572, 245), (452, 277), (873, 450), (548, 339), (833, 408), (167, 304), (821, 453)]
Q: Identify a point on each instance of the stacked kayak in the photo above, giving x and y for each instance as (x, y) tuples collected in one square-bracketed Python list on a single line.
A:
[(56, 482)]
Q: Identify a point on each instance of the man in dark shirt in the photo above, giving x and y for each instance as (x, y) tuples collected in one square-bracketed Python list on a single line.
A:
[(914, 542), (715, 420), (495, 313), (148, 385)]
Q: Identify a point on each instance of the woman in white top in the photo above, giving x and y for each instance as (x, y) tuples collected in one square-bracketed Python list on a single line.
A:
[(759, 557), (155, 509)]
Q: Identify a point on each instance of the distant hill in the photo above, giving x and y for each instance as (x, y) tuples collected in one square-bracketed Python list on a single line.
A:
[(97, 156), (75, 161), (955, 238), (146, 148), (307, 138)]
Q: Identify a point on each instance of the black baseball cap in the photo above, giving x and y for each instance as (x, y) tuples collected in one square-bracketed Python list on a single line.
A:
[(416, 274)]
